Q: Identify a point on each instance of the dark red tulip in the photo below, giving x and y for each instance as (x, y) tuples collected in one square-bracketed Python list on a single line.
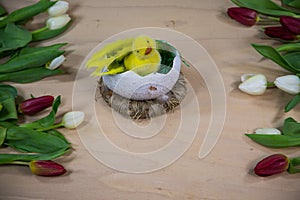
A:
[(46, 168), (280, 32), (274, 164), (35, 105), (245, 16), (291, 23)]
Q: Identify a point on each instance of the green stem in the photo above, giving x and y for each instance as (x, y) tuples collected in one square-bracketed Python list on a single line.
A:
[(271, 85), (51, 127), (19, 163), (292, 166), (39, 30)]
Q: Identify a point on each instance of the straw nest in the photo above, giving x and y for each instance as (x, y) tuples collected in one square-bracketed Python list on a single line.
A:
[(147, 108)]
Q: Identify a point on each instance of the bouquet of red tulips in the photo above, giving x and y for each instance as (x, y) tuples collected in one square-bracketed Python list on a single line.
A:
[(282, 23)]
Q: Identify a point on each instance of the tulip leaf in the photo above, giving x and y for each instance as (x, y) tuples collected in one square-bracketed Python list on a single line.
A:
[(2, 134), (9, 158), (266, 7), (293, 59), (25, 13), (47, 121), (29, 75), (292, 3), (2, 11), (27, 140), (13, 37), (272, 54), (12, 90), (58, 134), (289, 47), (47, 34), (275, 141), (291, 127), (292, 103), (7, 100)]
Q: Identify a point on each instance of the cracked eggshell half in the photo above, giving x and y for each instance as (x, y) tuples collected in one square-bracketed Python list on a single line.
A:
[(132, 86)]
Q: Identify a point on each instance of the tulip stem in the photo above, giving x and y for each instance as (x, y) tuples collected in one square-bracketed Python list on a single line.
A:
[(39, 30), (271, 85), (19, 163), (51, 127)]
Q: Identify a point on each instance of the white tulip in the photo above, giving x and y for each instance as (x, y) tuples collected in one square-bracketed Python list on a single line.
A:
[(288, 83), (72, 119), (246, 76), (254, 85), (59, 8), (56, 62), (58, 22), (268, 131)]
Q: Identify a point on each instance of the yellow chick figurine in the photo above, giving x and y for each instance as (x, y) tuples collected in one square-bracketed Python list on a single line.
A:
[(137, 54)]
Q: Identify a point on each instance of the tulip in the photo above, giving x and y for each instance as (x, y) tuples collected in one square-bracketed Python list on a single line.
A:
[(269, 131), (59, 8), (288, 83), (58, 22), (274, 164), (72, 119), (280, 32), (35, 105), (56, 62), (254, 85), (244, 16), (291, 23), (46, 168)]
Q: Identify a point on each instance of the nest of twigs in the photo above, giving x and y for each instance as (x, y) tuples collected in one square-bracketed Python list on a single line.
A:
[(147, 108)]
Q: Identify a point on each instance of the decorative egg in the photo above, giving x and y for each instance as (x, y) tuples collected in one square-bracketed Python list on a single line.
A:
[(133, 86)]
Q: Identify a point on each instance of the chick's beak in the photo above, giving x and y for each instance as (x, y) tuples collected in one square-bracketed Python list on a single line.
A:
[(148, 50)]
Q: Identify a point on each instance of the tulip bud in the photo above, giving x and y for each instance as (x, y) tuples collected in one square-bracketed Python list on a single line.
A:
[(274, 164), (56, 62), (35, 105), (72, 119), (54, 23), (280, 32), (59, 8), (269, 131), (291, 23), (288, 83), (254, 85), (245, 16), (46, 168)]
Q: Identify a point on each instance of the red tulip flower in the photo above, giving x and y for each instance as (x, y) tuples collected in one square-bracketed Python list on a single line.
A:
[(35, 105), (244, 16), (280, 32), (291, 23), (46, 168), (274, 164)]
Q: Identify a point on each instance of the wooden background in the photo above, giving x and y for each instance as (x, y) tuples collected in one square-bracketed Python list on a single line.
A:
[(226, 172)]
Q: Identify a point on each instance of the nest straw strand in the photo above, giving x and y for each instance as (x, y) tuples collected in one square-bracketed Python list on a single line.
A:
[(147, 108)]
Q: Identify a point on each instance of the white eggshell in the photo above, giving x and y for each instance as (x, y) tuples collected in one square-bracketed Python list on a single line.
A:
[(132, 86)]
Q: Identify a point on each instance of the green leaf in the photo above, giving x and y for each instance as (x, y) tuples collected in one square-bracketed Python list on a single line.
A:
[(7, 101), (31, 57), (29, 75), (47, 121), (47, 34), (10, 158), (275, 141), (58, 134), (13, 37), (289, 47), (2, 134), (12, 90), (266, 7), (292, 3), (272, 54), (292, 103), (27, 140), (291, 127), (27, 12), (293, 59), (2, 11)]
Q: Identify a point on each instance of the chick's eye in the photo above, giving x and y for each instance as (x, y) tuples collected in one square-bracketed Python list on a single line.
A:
[(148, 41), (138, 51)]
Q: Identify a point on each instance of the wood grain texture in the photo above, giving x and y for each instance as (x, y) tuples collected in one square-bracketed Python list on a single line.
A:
[(226, 172)]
